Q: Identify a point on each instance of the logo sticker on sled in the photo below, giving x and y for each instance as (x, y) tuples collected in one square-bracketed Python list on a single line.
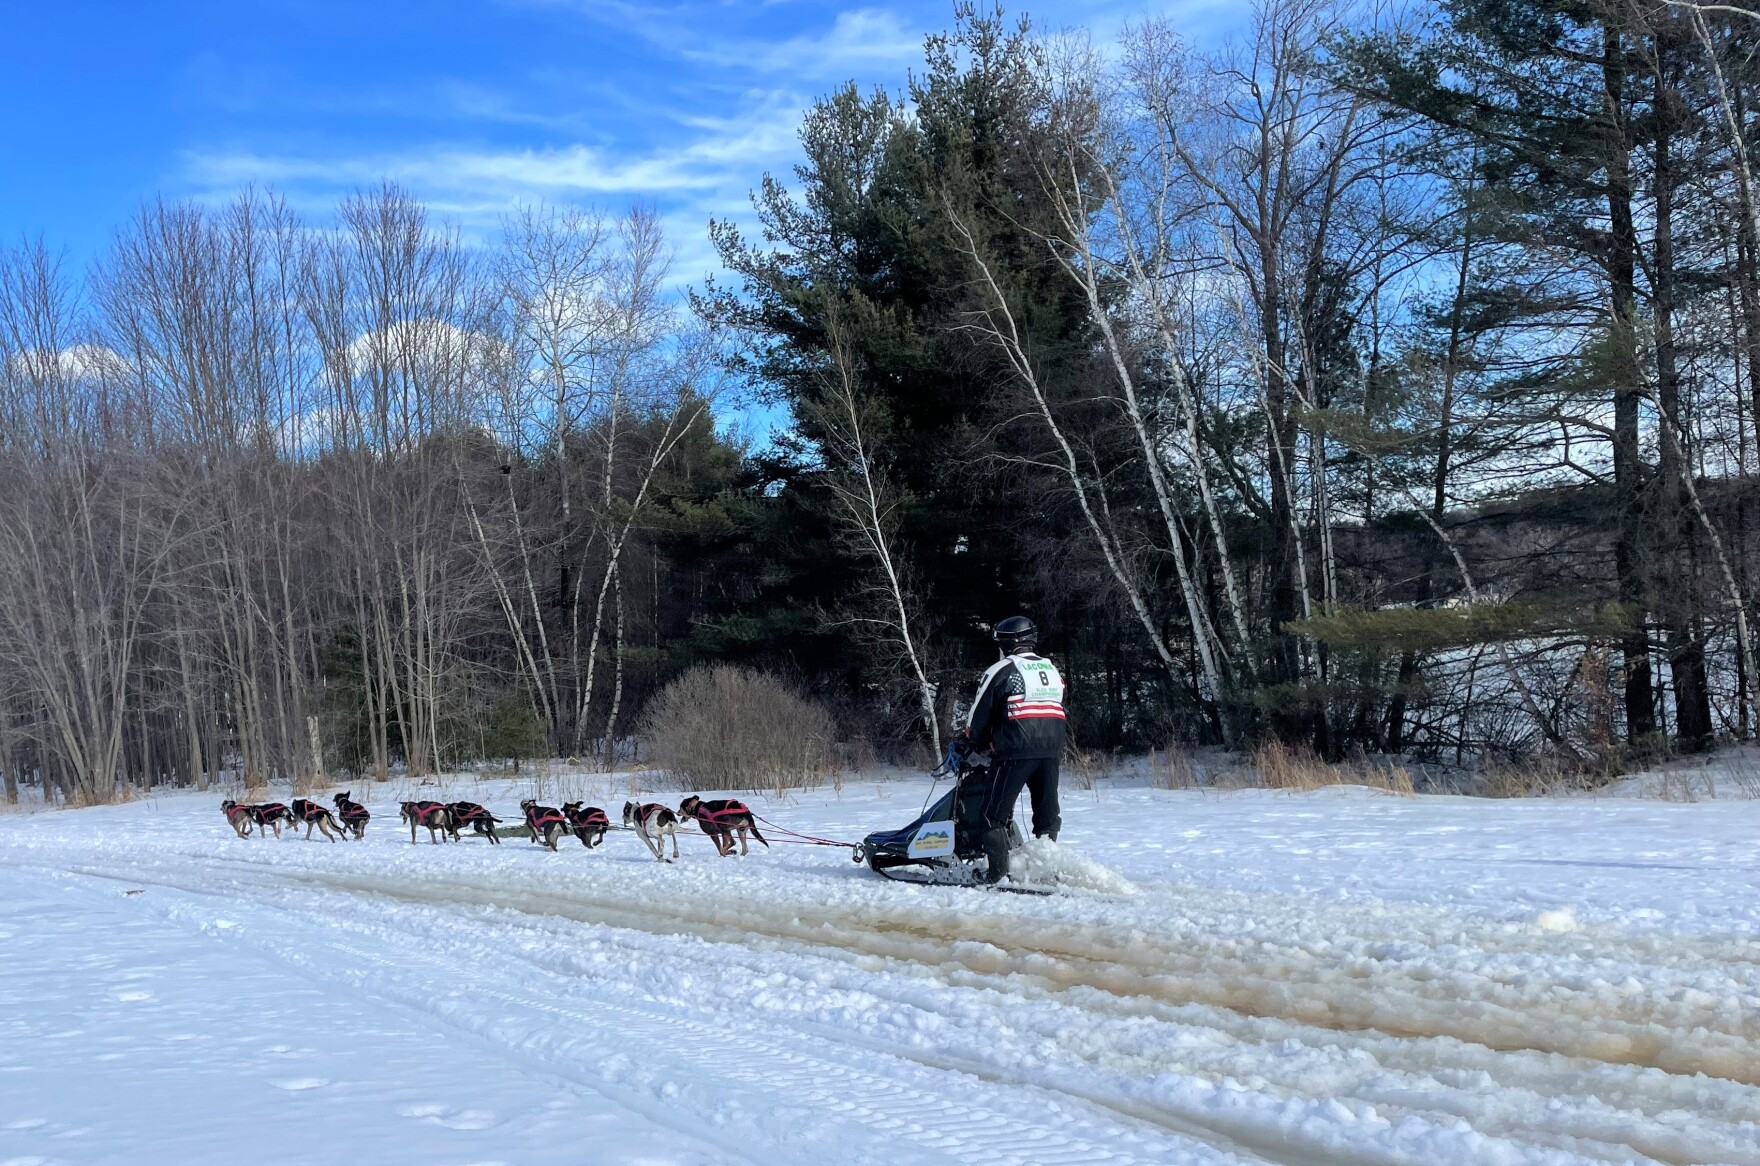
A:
[(932, 840)]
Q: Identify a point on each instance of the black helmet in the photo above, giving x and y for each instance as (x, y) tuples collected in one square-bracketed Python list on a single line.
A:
[(1014, 633)]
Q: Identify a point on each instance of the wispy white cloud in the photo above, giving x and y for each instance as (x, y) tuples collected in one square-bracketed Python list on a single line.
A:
[(707, 172), (857, 43)]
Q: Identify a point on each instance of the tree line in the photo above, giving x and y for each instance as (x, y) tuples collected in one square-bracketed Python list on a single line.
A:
[(1375, 382)]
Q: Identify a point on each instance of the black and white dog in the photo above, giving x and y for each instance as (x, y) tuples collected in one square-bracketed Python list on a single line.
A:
[(654, 822), (721, 819), (472, 816), (545, 822), (269, 815), (436, 816), (589, 824), (315, 814), (354, 815)]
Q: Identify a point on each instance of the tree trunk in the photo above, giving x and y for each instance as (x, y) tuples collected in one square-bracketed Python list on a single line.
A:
[(1640, 696)]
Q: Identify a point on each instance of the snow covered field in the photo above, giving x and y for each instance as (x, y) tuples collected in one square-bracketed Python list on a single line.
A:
[(1321, 978)]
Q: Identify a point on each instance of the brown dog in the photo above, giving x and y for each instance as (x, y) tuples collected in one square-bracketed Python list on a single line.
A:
[(436, 816), (721, 819), (238, 817)]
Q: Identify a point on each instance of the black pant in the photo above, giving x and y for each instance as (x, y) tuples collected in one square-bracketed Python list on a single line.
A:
[(1039, 776)]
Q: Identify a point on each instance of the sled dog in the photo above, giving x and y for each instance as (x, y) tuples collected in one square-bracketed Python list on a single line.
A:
[(469, 815), (589, 824), (354, 815), (721, 819), (654, 822), (238, 817), (434, 815), (269, 816), (545, 822), (318, 815)]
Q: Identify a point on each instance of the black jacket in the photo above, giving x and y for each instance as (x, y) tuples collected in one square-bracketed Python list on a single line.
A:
[(1018, 712)]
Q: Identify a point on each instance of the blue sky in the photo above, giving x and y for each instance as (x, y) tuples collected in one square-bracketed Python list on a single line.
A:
[(474, 104)]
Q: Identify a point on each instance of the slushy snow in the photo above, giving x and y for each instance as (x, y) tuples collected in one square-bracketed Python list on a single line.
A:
[(1243, 977)]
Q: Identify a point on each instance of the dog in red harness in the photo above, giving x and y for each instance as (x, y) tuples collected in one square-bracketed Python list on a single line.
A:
[(654, 822), (238, 817), (314, 814), (720, 820), (589, 825), (436, 816), (475, 817), (354, 815), (269, 815), (545, 822)]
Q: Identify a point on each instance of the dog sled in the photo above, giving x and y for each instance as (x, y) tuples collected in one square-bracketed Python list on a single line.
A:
[(945, 845)]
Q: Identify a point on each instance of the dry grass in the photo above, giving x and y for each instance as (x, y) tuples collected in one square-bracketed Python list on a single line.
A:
[(1172, 768), (733, 728), (1298, 769), (1538, 777), (1083, 766), (1743, 774), (80, 799)]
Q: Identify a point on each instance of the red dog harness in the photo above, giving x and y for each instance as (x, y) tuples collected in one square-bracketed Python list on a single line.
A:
[(592, 818), (731, 810), (643, 813), (535, 818), (426, 810)]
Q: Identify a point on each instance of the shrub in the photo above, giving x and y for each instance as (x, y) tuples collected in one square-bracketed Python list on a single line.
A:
[(724, 727)]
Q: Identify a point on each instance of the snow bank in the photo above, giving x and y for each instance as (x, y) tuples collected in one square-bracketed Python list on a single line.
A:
[(1042, 862)]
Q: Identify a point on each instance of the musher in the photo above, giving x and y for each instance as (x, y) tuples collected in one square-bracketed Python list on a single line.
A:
[(1018, 717)]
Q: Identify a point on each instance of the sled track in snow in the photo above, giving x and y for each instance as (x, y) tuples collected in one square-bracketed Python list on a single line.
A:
[(1441, 1020), (1124, 985), (1686, 1033)]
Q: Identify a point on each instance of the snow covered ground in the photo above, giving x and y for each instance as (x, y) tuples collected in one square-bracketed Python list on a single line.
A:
[(1302, 979)]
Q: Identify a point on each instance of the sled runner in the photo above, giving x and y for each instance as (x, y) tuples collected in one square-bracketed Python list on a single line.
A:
[(944, 846)]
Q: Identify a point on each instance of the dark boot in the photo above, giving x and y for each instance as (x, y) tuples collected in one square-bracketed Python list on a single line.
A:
[(1051, 834), (996, 854)]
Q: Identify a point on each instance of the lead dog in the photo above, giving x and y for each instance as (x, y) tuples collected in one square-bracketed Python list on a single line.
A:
[(654, 822), (589, 825), (545, 822), (720, 820), (238, 817), (436, 816), (354, 815), (314, 814), (470, 814)]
